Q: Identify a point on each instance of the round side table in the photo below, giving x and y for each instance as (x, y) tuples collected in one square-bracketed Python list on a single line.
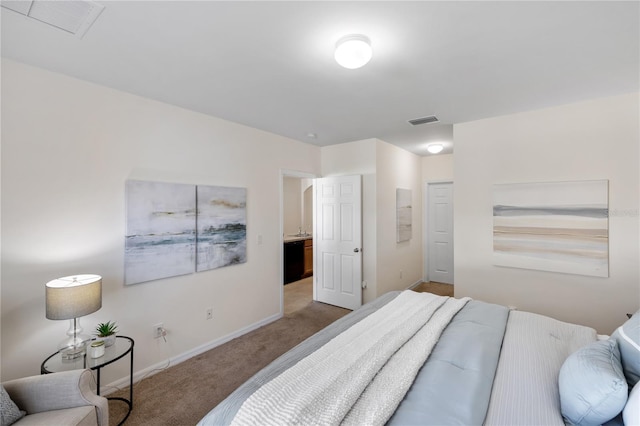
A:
[(123, 346)]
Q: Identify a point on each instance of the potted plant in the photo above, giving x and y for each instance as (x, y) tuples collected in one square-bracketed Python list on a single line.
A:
[(107, 331)]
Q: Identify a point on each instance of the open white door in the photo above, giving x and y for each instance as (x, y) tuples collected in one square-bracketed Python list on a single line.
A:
[(440, 232), (337, 241)]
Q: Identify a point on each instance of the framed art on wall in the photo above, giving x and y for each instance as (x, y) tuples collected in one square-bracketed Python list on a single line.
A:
[(552, 226), (160, 238), (177, 229), (222, 227), (403, 215)]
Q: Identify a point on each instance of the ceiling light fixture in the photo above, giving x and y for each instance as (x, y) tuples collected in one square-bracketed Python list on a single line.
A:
[(353, 51), (435, 148)]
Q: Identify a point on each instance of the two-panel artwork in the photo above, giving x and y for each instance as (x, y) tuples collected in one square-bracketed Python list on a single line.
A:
[(177, 229)]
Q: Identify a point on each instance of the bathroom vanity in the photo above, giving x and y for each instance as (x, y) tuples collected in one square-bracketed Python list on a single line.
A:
[(298, 258)]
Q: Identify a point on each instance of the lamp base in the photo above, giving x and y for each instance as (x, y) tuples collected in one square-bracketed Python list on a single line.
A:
[(74, 347)]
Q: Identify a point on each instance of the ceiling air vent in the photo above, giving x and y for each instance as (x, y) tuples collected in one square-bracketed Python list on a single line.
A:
[(424, 120), (75, 17)]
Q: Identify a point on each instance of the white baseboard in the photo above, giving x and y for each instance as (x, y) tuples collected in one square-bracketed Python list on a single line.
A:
[(414, 285), (149, 371)]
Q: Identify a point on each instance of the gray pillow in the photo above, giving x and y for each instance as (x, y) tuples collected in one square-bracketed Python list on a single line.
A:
[(628, 338), (10, 411)]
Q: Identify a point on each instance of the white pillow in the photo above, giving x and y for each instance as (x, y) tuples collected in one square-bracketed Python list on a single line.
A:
[(631, 412), (628, 338)]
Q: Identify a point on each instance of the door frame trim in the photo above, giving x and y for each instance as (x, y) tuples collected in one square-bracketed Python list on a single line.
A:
[(425, 225), (287, 173)]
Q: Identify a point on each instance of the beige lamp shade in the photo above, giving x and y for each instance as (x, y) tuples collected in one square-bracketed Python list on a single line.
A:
[(74, 296)]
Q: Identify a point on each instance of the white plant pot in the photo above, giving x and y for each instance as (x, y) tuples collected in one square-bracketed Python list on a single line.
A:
[(108, 340)]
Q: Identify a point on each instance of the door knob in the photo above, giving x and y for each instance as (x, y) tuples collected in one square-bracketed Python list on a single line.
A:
[(356, 250)]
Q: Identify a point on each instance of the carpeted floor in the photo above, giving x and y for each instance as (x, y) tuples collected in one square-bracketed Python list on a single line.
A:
[(183, 394)]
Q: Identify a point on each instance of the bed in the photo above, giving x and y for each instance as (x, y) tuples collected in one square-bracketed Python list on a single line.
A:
[(412, 358)]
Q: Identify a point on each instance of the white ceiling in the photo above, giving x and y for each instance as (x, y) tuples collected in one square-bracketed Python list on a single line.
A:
[(270, 65)]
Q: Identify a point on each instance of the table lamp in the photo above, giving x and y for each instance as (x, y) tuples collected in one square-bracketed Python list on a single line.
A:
[(71, 298)]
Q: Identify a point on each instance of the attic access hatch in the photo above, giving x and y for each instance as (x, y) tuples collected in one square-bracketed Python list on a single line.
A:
[(72, 16)]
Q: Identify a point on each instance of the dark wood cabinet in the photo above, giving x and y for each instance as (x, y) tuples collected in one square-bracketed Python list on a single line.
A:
[(308, 258), (298, 260), (293, 261)]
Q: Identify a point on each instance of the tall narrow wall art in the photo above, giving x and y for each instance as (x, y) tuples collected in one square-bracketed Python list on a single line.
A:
[(552, 226), (222, 227), (403, 215)]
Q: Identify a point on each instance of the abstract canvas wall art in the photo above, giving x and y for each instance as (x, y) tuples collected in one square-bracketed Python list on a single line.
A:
[(177, 229), (403, 215), (552, 226), (222, 227), (160, 238)]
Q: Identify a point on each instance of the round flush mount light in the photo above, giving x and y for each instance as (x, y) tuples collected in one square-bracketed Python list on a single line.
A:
[(353, 51), (435, 148)]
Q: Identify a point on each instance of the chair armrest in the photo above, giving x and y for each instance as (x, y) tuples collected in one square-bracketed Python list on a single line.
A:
[(56, 391)]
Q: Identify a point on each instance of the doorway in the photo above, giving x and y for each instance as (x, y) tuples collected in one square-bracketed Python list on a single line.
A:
[(439, 233), (338, 241), (296, 224)]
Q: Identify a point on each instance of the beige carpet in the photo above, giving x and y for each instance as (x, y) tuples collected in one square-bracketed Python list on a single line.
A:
[(183, 394)]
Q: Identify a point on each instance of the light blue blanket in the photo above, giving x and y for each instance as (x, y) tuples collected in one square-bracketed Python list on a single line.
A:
[(454, 385)]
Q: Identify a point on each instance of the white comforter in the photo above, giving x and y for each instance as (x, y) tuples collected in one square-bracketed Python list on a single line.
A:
[(361, 375)]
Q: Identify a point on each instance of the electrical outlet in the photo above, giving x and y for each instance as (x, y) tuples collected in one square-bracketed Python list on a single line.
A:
[(209, 313), (401, 274), (158, 330)]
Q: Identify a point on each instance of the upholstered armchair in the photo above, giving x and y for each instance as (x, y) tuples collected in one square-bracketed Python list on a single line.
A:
[(64, 398)]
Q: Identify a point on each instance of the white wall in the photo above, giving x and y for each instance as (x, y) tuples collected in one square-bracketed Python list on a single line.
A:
[(384, 167), (307, 205), (437, 168), (400, 264), (598, 139), (359, 158), (297, 200), (292, 205), (67, 149)]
